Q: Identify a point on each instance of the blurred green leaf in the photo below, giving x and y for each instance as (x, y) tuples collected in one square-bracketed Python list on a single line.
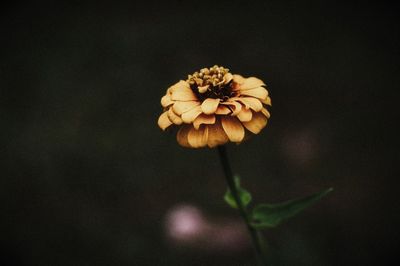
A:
[(244, 195), (271, 215)]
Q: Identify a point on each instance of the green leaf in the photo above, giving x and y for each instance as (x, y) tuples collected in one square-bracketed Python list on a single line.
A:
[(271, 215), (244, 195)]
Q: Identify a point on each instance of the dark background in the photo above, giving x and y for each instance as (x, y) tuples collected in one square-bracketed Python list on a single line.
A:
[(87, 177)]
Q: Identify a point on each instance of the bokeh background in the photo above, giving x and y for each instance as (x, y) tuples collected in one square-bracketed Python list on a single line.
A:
[(87, 177)]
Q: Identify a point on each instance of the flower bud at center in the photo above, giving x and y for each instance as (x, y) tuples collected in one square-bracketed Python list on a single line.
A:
[(214, 82)]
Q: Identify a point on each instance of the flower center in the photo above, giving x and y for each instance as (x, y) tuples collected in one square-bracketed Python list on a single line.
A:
[(214, 82)]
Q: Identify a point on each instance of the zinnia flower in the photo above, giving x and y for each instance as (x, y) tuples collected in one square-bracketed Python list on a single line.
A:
[(213, 107)]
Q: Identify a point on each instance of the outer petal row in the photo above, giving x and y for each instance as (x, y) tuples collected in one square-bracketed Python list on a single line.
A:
[(207, 135), (182, 107), (163, 121), (259, 92), (257, 123), (251, 83), (181, 92), (233, 128)]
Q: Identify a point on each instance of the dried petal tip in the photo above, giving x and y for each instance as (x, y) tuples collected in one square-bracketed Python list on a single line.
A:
[(213, 107)]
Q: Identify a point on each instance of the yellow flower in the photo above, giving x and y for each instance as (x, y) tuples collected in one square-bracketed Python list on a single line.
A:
[(213, 107)]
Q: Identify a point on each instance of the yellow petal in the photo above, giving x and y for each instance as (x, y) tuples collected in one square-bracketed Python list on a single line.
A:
[(258, 122), (182, 107), (178, 86), (203, 89), (233, 128), (191, 115), (227, 78), (210, 105), (234, 106), (251, 102), (182, 135), (259, 92), (174, 117), (245, 115), (267, 101), (163, 121), (223, 110), (198, 138), (182, 92), (238, 79), (237, 82), (166, 100), (216, 135), (203, 119), (266, 113), (183, 95), (251, 83)]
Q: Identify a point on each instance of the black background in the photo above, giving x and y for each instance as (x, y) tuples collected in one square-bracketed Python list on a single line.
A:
[(87, 176)]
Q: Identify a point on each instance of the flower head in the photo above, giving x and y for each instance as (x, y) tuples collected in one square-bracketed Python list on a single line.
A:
[(213, 107)]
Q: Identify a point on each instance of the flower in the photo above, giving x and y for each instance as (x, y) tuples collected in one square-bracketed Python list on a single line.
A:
[(213, 107)]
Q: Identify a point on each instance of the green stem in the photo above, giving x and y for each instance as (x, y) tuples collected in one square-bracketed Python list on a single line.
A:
[(242, 210)]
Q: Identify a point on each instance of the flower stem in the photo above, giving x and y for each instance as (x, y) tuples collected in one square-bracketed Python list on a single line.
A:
[(255, 236)]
